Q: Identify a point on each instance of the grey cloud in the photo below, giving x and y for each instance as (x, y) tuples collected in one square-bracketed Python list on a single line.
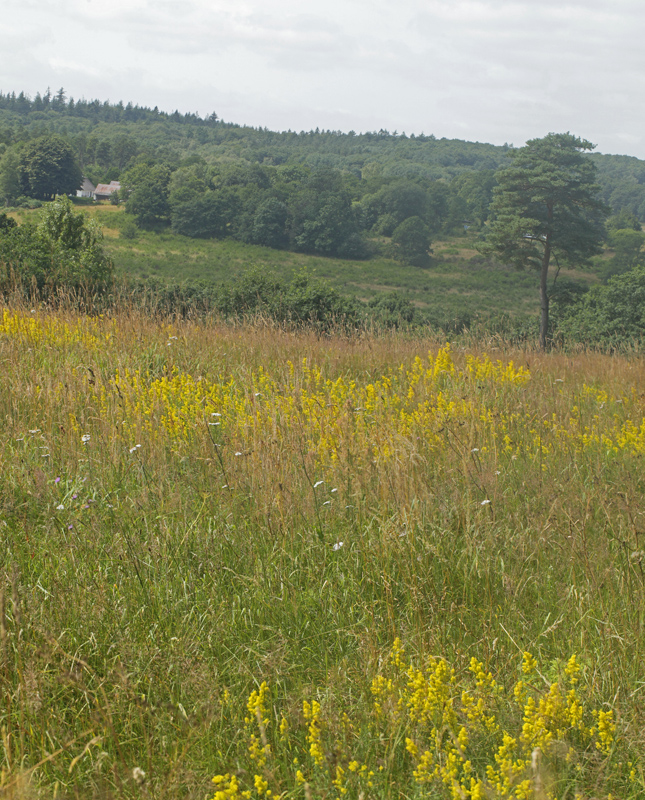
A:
[(497, 70)]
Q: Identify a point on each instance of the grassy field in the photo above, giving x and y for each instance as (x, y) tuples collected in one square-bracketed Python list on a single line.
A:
[(372, 567), (459, 285)]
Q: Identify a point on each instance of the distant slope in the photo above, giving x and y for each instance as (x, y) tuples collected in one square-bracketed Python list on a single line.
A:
[(459, 288), (110, 134)]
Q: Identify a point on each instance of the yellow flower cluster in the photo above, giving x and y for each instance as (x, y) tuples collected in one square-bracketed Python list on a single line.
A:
[(464, 738), (259, 747), (53, 331), (448, 719), (410, 412), (406, 408), (228, 788), (311, 713), (484, 369)]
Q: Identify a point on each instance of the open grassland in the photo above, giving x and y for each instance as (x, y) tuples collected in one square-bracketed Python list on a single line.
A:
[(372, 567), (458, 286)]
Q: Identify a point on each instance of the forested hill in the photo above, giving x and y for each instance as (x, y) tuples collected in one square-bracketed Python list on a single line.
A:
[(107, 137), (107, 134)]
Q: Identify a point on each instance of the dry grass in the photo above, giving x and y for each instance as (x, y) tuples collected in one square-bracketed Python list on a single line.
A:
[(484, 510)]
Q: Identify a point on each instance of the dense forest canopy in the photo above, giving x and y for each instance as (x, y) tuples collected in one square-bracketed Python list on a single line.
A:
[(98, 129)]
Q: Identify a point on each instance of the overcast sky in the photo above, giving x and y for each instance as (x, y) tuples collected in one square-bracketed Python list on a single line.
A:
[(482, 70)]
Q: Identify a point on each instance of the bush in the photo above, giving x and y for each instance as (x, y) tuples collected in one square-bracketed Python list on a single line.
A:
[(129, 229), (608, 315), (392, 310), (63, 250), (303, 301)]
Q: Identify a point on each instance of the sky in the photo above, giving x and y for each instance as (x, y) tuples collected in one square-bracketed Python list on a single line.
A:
[(498, 71)]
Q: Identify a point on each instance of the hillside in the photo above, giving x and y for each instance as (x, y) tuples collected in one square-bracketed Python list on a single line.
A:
[(207, 202), (108, 135)]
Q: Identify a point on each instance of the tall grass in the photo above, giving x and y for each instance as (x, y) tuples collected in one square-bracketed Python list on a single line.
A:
[(191, 510)]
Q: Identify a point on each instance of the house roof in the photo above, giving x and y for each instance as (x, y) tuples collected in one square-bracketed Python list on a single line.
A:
[(107, 188)]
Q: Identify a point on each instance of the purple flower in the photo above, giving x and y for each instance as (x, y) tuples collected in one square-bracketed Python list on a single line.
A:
[(56, 480)]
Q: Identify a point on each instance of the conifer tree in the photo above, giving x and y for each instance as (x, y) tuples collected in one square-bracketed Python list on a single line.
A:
[(545, 209)]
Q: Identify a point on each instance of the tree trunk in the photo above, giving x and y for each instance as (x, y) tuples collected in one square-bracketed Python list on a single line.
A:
[(544, 295)]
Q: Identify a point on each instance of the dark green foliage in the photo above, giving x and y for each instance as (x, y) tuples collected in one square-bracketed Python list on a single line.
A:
[(10, 183), (392, 310), (622, 183), (304, 300), (546, 199), (546, 207), (186, 183), (270, 224), (129, 229), (627, 245), (63, 250), (564, 296), (608, 315), (476, 189), (411, 242), (206, 216), (322, 219), (146, 189), (623, 220), (24, 259), (6, 223), (457, 217), (49, 167), (387, 209)]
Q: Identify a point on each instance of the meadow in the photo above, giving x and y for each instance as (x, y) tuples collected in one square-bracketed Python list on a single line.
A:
[(459, 288), (238, 561)]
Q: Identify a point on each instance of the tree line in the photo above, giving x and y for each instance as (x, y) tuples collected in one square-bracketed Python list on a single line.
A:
[(322, 211), (106, 136), (94, 110)]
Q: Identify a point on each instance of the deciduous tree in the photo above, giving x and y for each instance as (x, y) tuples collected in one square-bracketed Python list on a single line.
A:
[(146, 189), (48, 167), (411, 242), (63, 249)]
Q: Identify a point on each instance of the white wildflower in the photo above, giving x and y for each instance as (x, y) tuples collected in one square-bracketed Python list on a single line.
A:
[(138, 776)]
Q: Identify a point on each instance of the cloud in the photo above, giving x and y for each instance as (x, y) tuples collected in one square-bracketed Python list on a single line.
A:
[(496, 70)]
